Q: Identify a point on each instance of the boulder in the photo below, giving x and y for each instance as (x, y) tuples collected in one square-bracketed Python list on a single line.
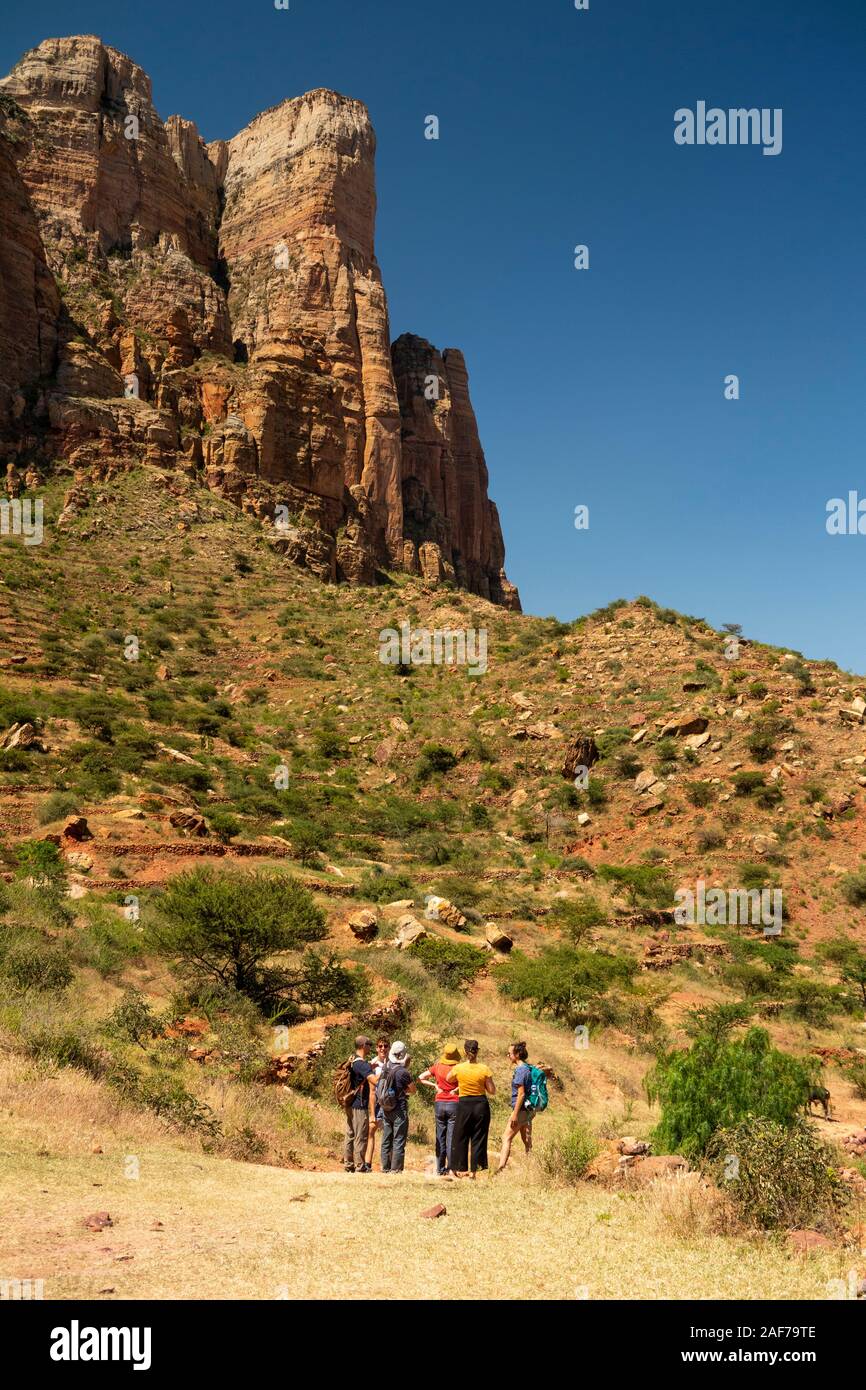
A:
[(364, 925), (409, 930), (189, 821), (645, 780), (696, 741), (581, 752), (683, 724), (21, 736), (497, 938), (441, 910), (76, 828), (632, 1147)]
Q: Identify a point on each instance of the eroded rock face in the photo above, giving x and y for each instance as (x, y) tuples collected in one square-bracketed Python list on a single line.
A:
[(222, 312), (451, 528)]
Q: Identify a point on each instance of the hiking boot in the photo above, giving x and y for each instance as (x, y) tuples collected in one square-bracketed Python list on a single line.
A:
[(367, 1168), (348, 1170)]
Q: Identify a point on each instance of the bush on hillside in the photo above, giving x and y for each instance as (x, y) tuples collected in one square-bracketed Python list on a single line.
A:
[(779, 1176), (567, 1156), (647, 886), (718, 1083), (453, 964), (570, 984)]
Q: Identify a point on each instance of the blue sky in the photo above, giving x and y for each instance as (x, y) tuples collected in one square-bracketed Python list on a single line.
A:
[(602, 387)]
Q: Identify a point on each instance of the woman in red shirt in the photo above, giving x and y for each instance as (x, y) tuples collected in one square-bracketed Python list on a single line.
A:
[(445, 1106)]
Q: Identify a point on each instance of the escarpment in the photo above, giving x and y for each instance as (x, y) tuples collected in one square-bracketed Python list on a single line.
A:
[(217, 309)]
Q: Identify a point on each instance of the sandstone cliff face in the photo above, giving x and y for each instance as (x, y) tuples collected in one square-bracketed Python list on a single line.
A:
[(451, 527), (219, 309)]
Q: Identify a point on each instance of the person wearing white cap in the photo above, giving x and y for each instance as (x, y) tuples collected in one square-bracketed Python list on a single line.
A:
[(393, 1089)]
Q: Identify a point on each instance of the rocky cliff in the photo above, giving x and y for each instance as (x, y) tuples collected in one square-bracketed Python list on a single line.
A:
[(218, 309)]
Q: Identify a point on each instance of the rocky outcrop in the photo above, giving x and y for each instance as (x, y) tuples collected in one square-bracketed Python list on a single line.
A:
[(219, 308), (451, 528)]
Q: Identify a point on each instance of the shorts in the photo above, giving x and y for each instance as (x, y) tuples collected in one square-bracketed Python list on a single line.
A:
[(525, 1118)]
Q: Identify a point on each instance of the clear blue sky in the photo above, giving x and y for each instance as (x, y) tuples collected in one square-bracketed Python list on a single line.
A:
[(602, 387)]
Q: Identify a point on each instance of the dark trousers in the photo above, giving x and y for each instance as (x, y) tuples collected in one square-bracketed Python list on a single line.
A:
[(395, 1131), (446, 1118), (470, 1131)]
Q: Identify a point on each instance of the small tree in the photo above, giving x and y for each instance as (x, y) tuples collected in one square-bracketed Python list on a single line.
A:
[(228, 927), (718, 1083), (42, 862)]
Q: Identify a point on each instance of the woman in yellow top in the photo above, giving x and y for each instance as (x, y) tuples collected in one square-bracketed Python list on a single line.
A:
[(474, 1085)]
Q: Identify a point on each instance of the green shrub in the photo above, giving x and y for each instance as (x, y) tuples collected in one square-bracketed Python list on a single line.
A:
[(577, 917), (646, 886), (29, 964), (224, 825), (853, 887), (435, 759), (567, 1156), (718, 1083), (700, 793), (308, 840), (108, 941), (380, 887), (779, 1176), (570, 984), (56, 807), (454, 964)]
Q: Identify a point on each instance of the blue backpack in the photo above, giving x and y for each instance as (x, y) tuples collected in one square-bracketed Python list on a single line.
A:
[(537, 1095)]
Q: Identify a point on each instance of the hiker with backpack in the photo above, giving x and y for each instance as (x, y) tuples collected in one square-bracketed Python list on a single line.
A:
[(528, 1098), (444, 1106), (352, 1089), (474, 1085), (393, 1089)]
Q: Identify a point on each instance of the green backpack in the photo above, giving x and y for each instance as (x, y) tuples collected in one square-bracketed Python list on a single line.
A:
[(537, 1096)]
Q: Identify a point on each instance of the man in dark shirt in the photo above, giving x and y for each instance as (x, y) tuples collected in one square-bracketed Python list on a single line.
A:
[(358, 1110), (395, 1121)]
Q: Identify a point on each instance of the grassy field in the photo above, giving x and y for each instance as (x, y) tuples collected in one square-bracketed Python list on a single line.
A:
[(195, 1227)]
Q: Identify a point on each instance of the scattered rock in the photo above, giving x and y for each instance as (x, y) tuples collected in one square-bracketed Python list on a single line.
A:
[(684, 724), (497, 938), (76, 828), (581, 752), (97, 1221), (364, 925), (433, 1212)]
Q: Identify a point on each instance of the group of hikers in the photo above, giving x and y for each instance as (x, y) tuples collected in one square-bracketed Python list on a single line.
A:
[(375, 1091)]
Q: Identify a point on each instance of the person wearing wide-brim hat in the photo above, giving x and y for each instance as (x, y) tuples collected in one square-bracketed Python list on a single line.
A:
[(444, 1105)]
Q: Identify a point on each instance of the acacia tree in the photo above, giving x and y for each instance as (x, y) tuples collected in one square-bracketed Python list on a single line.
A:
[(230, 928)]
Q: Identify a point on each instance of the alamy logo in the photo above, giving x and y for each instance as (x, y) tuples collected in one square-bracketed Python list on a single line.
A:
[(22, 518), (13, 1290), (443, 646), (846, 518), (738, 126), (77, 1343), (734, 907)]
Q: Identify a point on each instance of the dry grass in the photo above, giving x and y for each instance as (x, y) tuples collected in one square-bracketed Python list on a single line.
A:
[(688, 1207), (239, 1230)]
